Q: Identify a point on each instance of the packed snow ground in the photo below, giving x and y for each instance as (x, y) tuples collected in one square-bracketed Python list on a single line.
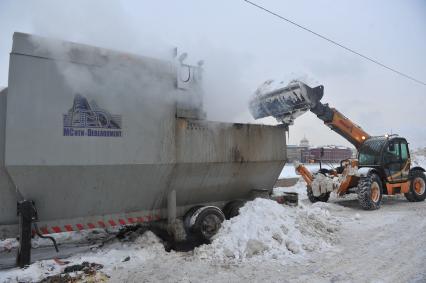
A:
[(322, 242)]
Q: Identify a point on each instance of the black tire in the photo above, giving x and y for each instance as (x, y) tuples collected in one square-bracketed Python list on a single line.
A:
[(203, 222), (232, 208), (314, 199), (291, 197), (339, 169), (417, 178), (370, 191)]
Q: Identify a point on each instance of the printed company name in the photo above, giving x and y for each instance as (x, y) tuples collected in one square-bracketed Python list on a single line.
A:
[(90, 133), (87, 119)]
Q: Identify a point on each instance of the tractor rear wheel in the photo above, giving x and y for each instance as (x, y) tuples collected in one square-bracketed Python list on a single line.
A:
[(323, 198), (417, 190), (370, 192)]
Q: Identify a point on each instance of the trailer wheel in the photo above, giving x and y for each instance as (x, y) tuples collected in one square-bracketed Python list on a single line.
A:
[(203, 222), (314, 199), (232, 208), (370, 192), (417, 187)]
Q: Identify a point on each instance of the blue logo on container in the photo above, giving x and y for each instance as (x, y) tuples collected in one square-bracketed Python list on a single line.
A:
[(87, 119)]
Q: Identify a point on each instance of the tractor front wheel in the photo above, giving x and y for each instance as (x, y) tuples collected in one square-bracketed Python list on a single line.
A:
[(370, 192), (417, 190)]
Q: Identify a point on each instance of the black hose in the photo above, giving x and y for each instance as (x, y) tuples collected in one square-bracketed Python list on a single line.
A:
[(46, 237)]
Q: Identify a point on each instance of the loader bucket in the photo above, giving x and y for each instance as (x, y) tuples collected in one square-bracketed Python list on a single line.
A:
[(284, 102)]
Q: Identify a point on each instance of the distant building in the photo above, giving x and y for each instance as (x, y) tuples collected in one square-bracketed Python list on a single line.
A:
[(294, 152), (305, 154), (304, 142), (332, 153)]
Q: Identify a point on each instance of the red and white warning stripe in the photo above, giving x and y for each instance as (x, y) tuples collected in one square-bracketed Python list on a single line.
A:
[(95, 222)]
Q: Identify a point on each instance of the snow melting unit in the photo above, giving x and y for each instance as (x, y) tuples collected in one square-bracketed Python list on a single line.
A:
[(94, 138)]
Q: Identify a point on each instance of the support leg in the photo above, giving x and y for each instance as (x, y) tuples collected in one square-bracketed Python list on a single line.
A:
[(26, 215)]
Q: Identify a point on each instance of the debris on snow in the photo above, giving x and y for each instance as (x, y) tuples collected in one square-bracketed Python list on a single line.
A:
[(85, 272), (145, 247)]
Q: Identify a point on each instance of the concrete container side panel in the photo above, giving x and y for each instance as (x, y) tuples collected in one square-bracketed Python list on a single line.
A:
[(7, 191), (62, 192), (8, 199), (3, 105), (41, 93), (258, 142), (204, 141), (196, 183)]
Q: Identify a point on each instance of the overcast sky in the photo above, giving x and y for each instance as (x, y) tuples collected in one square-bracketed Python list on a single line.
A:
[(242, 47)]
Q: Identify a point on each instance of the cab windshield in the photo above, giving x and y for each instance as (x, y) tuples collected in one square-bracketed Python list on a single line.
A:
[(369, 152)]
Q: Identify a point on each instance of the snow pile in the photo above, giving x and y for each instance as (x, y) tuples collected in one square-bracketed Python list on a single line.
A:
[(419, 157), (265, 229)]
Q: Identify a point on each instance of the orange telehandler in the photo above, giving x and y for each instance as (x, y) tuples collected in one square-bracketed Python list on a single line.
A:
[(383, 164)]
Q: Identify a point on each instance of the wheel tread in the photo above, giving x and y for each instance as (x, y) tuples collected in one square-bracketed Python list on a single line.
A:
[(364, 192), (411, 196)]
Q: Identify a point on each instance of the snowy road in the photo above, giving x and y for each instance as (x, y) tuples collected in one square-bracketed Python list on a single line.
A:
[(375, 246), (386, 245)]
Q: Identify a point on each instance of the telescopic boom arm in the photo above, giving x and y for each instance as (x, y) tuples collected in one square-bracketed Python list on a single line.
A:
[(286, 103), (340, 124)]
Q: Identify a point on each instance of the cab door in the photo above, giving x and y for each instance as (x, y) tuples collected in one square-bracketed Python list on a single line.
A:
[(405, 160), (397, 161), (392, 161)]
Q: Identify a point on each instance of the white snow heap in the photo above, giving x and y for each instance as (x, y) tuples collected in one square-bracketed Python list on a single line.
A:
[(323, 184), (419, 157), (266, 229)]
